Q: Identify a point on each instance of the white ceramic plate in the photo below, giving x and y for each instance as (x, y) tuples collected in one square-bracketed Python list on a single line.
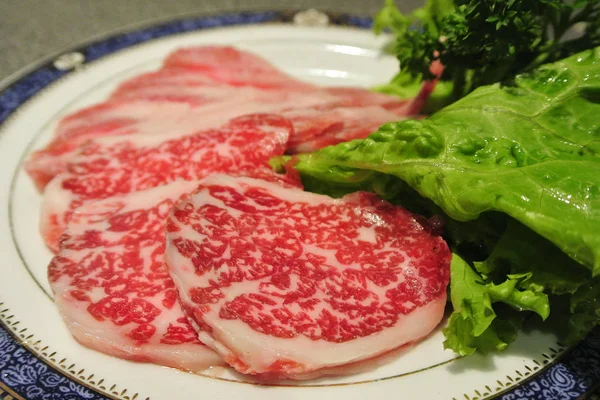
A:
[(324, 55)]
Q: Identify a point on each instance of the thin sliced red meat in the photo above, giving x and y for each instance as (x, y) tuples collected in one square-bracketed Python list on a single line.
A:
[(197, 88), (360, 97), (115, 118), (163, 78), (315, 129), (111, 286), (233, 67), (104, 168), (155, 116), (288, 284)]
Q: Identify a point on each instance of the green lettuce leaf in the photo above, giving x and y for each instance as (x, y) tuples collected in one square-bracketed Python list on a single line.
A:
[(585, 311), (430, 15), (390, 17), (544, 269), (514, 171), (528, 149), (474, 324), (522, 251)]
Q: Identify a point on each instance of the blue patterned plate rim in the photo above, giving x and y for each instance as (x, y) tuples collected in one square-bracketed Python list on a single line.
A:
[(574, 375)]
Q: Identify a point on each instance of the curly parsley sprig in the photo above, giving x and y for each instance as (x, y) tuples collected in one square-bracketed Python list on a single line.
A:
[(482, 42)]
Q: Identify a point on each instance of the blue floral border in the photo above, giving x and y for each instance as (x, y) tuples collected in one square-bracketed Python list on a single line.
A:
[(32, 378), (28, 376)]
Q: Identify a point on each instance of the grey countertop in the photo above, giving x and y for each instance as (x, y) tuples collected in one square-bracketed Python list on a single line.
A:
[(31, 29)]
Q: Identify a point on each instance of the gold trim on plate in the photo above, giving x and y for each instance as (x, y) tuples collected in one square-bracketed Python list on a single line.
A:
[(7, 393)]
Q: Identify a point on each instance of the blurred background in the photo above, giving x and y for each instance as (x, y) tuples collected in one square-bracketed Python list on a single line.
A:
[(32, 29)]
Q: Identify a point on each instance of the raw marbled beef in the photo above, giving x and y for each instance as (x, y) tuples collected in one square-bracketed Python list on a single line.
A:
[(315, 129), (200, 88), (284, 283), (155, 117), (105, 167), (234, 67), (210, 66), (111, 286)]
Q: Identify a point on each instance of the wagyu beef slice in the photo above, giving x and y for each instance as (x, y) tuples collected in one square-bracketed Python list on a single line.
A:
[(284, 283)]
